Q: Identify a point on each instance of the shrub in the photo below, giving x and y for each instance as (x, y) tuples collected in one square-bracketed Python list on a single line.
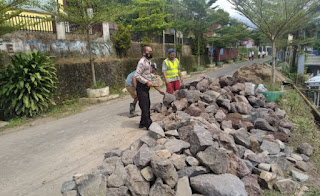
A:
[(122, 40), (27, 85)]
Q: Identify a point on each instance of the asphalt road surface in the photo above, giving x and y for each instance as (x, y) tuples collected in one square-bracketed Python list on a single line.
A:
[(36, 161)]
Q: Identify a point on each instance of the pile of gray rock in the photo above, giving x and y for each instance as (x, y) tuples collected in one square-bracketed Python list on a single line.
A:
[(213, 137)]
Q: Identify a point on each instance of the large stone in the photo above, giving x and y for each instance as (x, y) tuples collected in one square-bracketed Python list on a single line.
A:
[(214, 158), (192, 161), (224, 81), (286, 186), (251, 184), (285, 131), (156, 131), (176, 120), (179, 161), (211, 109), (286, 124), (151, 142), (225, 103), (200, 138), (306, 149), (264, 166), (92, 184), (240, 98), (175, 145), (158, 188), (109, 165), (213, 185), (183, 187), (179, 105), (203, 85), (70, 193), (185, 132), (299, 176), (127, 157), (241, 137), (168, 99), (263, 125), (281, 136), (147, 174), (238, 87), (143, 157), (121, 191), (68, 186), (182, 93), (117, 178), (237, 166), (271, 147), (258, 134), (163, 153), (242, 107), (257, 158), (156, 107), (135, 182), (212, 94), (206, 98), (256, 102), (193, 171), (220, 116), (114, 153), (193, 110), (226, 124), (303, 166), (193, 96), (267, 179), (280, 113), (163, 168)]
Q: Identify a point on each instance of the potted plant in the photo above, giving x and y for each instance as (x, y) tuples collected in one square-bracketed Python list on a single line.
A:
[(183, 72), (274, 93), (219, 63), (98, 90)]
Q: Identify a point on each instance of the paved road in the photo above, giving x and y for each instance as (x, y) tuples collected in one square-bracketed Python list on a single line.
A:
[(37, 160)]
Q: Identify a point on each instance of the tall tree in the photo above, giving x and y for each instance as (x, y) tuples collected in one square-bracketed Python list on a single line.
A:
[(9, 10), (151, 17), (84, 14), (198, 18), (275, 17)]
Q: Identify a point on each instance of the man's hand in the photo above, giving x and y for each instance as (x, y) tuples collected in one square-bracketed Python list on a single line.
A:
[(149, 84), (167, 81), (161, 92)]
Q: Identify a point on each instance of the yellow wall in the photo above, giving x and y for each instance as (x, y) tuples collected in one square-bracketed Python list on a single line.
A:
[(35, 24)]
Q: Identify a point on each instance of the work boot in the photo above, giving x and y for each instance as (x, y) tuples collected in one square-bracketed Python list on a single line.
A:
[(132, 108)]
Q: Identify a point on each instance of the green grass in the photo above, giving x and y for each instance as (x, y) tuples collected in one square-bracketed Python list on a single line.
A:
[(68, 108), (14, 122), (307, 130)]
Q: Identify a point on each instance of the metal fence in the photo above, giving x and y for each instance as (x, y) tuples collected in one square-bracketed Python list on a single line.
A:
[(33, 23)]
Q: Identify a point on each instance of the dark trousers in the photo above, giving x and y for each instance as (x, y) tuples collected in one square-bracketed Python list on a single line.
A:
[(144, 103)]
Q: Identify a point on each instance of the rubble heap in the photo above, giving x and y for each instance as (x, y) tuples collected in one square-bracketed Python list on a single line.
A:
[(214, 137), (258, 73)]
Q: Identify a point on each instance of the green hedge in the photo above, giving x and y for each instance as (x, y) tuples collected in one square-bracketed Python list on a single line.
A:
[(76, 78)]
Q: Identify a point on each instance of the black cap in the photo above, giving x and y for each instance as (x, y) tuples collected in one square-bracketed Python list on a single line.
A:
[(154, 66)]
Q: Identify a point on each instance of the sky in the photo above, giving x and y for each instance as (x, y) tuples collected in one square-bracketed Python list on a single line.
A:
[(226, 6)]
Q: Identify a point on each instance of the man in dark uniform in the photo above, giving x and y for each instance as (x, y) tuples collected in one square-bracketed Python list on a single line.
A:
[(144, 82)]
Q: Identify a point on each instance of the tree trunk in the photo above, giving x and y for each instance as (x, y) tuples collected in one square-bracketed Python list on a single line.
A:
[(295, 50), (93, 74), (198, 51), (273, 62)]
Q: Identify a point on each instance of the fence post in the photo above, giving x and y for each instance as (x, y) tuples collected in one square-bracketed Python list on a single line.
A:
[(61, 30), (105, 31)]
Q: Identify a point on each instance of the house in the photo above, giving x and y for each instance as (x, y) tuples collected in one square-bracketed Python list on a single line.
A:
[(34, 18)]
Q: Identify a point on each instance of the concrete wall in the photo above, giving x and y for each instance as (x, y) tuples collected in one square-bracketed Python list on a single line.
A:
[(58, 48)]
